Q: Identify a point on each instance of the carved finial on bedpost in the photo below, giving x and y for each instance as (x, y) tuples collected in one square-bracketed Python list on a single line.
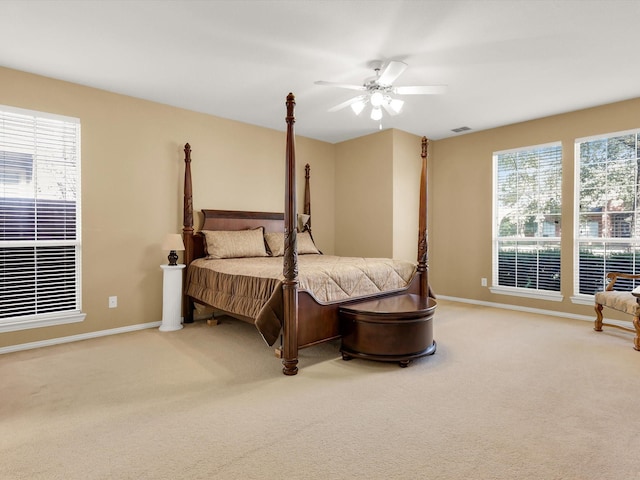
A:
[(290, 269), (291, 102), (422, 224)]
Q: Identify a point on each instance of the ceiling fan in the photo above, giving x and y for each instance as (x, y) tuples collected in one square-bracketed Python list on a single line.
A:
[(377, 90)]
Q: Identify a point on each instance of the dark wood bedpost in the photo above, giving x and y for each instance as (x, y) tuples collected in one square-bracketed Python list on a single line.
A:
[(423, 266), (307, 195), (187, 229), (290, 270)]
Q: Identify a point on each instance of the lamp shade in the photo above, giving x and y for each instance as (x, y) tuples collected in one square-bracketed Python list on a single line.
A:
[(173, 241), (376, 113), (357, 107), (396, 105)]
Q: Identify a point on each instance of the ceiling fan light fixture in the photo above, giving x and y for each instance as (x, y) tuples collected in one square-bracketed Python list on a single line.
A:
[(357, 107), (376, 99), (396, 104), (377, 91)]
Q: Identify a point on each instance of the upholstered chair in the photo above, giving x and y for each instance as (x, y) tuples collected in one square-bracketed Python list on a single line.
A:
[(622, 301)]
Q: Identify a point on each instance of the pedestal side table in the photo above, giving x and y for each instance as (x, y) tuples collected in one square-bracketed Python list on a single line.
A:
[(171, 297)]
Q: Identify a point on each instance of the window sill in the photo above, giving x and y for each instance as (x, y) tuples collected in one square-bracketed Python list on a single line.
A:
[(527, 293), (12, 325), (582, 299)]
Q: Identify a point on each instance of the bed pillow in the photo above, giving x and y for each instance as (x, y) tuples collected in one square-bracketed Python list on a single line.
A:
[(235, 243), (303, 219), (306, 244), (275, 243)]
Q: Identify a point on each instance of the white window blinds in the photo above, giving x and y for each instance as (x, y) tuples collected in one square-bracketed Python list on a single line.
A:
[(607, 194), (39, 215), (527, 218)]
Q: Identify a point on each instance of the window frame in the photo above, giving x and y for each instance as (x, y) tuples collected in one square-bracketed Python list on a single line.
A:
[(550, 295), (74, 315), (577, 297)]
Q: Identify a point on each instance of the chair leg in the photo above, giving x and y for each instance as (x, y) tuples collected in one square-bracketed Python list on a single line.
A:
[(636, 341), (598, 323)]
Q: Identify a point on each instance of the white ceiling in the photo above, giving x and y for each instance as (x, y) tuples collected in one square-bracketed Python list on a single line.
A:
[(504, 61)]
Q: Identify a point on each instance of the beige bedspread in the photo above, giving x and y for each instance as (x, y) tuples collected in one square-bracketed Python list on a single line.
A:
[(251, 287)]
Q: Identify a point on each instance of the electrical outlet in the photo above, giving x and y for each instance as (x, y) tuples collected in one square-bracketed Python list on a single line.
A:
[(113, 302), (483, 282)]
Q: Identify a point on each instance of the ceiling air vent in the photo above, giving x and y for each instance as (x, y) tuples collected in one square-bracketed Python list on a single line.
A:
[(460, 129)]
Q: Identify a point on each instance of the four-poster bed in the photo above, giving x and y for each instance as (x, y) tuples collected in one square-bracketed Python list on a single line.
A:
[(300, 301)]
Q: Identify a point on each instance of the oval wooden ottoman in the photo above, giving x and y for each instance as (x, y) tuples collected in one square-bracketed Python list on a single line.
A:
[(388, 329)]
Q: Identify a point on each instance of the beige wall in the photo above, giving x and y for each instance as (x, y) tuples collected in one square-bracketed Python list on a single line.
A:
[(377, 195), (364, 196), (132, 180), (460, 199), (407, 167)]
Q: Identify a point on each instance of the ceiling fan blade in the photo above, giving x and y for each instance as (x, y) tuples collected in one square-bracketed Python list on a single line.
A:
[(421, 90), (340, 85), (391, 71), (347, 103)]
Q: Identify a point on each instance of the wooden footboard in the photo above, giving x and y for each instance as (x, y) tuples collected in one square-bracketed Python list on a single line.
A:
[(320, 323)]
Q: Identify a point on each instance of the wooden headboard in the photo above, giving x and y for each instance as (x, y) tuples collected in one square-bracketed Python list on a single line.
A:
[(240, 220)]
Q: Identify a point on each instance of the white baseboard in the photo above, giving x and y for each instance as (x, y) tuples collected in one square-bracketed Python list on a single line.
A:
[(76, 338), (541, 311), (518, 307)]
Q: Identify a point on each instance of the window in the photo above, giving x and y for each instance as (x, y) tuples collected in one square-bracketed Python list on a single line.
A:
[(39, 219), (527, 221), (607, 229)]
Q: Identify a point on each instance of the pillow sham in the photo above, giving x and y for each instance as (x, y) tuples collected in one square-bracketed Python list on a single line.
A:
[(303, 219), (275, 243), (235, 243), (306, 245)]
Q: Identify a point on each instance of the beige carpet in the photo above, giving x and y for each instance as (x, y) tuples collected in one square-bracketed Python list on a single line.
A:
[(507, 396)]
